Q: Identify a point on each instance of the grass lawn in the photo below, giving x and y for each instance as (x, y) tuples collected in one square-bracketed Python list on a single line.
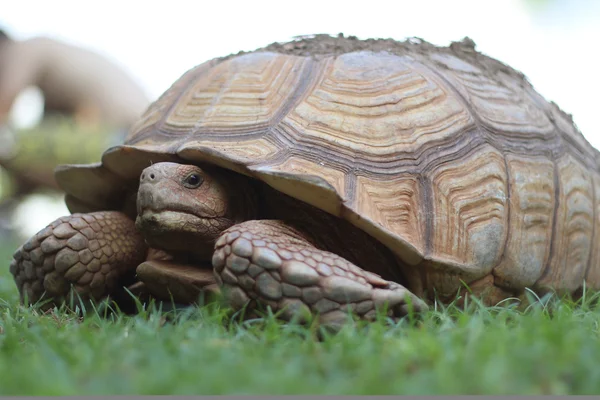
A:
[(455, 351)]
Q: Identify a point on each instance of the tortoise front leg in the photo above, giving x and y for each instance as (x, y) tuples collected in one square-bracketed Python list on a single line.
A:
[(181, 282), (90, 252), (268, 261)]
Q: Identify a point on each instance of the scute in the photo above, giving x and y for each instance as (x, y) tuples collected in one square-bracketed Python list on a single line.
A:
[(532, 211), (448, 157), (575, 219), (470, 208)]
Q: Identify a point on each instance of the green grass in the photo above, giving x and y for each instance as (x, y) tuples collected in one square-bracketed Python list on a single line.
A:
[(472, 350)]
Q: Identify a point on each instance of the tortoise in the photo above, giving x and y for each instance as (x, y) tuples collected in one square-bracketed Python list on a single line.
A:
[(327, 175)]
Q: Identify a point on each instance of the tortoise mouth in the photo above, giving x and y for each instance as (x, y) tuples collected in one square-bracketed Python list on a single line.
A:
[(178, 231), (155, 213), (151, 221)]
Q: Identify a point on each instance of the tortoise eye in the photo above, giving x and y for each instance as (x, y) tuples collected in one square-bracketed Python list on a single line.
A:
[(193, 181)]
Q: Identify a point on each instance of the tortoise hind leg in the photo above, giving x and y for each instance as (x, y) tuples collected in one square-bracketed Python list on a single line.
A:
[(270, 262), (92, 253)]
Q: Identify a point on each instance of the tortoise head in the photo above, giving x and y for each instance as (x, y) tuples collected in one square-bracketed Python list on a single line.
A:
[(186, 207)]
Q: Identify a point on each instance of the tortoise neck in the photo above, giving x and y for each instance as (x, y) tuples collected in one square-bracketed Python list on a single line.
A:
[(330, 233), (243, 198)]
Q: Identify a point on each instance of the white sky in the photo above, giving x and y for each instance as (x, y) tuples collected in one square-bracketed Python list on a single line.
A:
[(158, 41)]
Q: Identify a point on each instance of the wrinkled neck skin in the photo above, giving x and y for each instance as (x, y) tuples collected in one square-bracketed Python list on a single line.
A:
[(186, 222)]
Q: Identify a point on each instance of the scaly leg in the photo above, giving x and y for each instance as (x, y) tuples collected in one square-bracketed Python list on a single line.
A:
[(93, 253), (268, 261)]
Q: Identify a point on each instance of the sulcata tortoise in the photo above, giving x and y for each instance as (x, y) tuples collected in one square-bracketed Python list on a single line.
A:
[(331, 174)]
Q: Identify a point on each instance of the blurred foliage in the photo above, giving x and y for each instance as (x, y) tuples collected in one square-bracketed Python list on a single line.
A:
[(59, 140), (538, 5), (7, 184), (54, 141)]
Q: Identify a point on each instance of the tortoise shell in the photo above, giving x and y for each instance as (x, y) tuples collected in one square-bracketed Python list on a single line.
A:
[(448, 157)]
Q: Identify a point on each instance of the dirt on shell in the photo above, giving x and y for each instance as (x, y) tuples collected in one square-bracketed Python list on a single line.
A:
[(323, 45)]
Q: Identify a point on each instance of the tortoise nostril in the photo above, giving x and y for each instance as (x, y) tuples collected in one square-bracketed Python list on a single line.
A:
[(151, 176), (143, 177)]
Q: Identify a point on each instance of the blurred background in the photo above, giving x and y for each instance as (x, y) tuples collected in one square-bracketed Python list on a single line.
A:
[(553, 42)]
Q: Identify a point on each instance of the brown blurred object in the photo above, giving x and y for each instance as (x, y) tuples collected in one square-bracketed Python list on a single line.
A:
[(74, 81), (94, 94)]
